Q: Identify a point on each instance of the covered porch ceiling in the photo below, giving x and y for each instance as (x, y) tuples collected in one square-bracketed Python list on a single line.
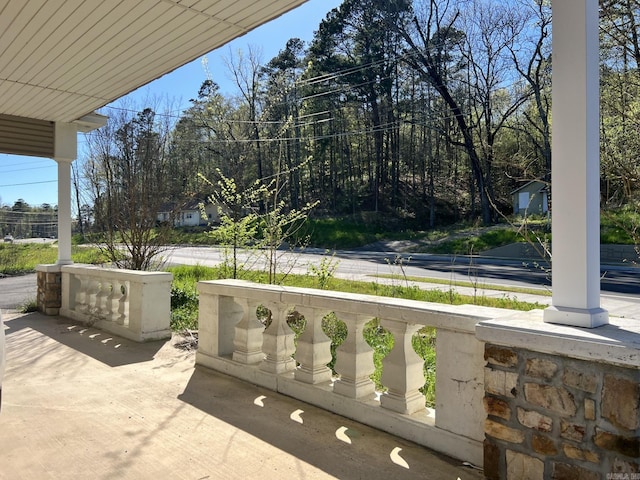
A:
[(61, 60)]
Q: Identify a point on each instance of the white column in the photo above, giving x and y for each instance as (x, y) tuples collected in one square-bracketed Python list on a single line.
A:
[(65, 152), (64, 212), (576, 166)]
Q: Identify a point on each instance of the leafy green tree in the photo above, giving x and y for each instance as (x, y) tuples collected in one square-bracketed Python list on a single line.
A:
[(355, 39), (620, 109)]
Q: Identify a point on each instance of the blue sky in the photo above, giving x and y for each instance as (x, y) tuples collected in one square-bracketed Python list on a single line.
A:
[(35, 179)]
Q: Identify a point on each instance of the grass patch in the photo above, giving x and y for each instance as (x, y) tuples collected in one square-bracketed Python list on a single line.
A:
[(334, 233), (441, 281), (184, 296), (468, 245), (30, 305), (21, 258), (343, 233)]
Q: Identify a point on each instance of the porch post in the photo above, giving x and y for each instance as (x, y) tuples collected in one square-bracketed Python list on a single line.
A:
[(576, 167), (65, 154)]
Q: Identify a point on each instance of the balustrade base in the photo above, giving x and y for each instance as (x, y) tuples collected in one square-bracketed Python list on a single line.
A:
[(115, 328), (408, 405), (419, 427), (362, 389), (313, 377), (278, 366), (248, 358)]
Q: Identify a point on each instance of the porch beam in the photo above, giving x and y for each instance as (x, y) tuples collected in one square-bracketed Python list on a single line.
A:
[(576, 167)]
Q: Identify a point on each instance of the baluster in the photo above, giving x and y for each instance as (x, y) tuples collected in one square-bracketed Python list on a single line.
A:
[(314, 348), (104, 289), (82, 300), (112, 301), (277, 343), (402, 370), (354, 359), (92, 294), (123, 304), (247, 340)]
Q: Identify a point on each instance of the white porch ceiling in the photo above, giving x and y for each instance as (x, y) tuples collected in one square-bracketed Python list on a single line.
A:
[(62, 59)]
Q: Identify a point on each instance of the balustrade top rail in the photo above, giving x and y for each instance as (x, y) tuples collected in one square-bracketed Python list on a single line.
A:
[(137, 276), (462, 318)]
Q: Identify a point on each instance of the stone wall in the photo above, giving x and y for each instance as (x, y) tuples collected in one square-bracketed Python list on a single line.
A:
[(550, 416), (49, 296)]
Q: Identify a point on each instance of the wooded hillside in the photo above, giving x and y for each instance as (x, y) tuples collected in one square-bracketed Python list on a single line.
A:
[(428, 110)]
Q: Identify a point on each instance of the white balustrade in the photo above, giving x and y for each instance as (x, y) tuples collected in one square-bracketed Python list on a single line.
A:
[(248, 335), (234, 341), (354, 359), (314, 348), (132, 304), (402, 371), (278, 341)]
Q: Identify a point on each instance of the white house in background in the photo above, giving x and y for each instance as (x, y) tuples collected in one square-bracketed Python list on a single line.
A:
[(532, 198), (189, 214)]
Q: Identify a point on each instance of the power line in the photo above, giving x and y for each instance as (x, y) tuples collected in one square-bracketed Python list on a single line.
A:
[(27, 223), (28, 183), (25, 169), (51, 212), (304, 82), (22, 163)]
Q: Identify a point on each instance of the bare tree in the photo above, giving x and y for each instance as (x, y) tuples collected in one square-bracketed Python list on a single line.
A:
[(461, 50), (245, 69), (126, 171)]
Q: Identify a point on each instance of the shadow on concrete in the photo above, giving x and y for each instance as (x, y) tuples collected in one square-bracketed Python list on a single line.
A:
[(114, 351), (334, 444)]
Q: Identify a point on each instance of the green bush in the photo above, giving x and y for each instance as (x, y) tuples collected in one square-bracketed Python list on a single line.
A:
[(620, 226), (184, 307), (476, 244)]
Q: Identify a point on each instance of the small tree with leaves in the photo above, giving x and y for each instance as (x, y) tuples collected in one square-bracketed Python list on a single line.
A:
[(242, 227), (279, 226), (238, 220)]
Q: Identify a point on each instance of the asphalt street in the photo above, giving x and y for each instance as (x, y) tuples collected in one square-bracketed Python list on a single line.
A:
[(621, 282), (616, 279), (15, 291)]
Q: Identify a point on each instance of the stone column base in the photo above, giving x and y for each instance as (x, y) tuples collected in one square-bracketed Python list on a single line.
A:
[(49, 297), (561, 402)]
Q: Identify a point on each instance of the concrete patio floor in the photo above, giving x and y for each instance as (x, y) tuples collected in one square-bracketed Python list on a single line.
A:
[(82, 404)]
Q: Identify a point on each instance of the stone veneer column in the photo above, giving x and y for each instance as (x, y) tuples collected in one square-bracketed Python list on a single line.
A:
[(561, 402), (49, 296)]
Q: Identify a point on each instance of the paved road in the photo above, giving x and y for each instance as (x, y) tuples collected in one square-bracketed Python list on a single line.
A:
[(16, 291), (616, 280), (622, 283)]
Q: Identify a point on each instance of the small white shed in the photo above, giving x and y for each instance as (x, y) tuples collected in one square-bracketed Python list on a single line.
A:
[(532, 198)]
